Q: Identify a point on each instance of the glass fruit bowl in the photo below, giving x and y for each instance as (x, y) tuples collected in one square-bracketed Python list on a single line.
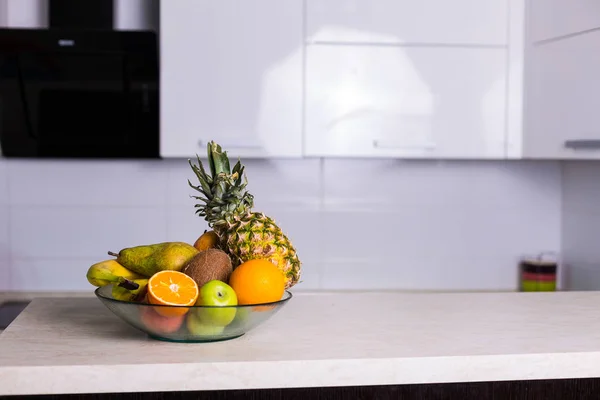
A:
[(193, 324)]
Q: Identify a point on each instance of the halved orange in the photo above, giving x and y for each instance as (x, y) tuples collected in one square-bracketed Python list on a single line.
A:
[(172, 288)]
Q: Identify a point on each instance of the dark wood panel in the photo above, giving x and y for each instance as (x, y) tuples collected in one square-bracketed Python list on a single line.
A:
[(580, 389)]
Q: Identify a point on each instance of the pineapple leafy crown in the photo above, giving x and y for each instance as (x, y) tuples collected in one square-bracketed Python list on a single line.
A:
[(223, 194)]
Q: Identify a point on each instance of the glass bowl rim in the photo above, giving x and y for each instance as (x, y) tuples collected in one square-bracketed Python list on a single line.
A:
[(287, 296)]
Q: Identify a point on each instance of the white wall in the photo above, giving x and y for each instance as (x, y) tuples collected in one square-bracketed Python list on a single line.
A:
[(581, 224), (356, 223)]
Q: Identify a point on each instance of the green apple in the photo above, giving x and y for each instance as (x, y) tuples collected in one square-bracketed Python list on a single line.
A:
[(222, 299), (242, 316), (197, 327)]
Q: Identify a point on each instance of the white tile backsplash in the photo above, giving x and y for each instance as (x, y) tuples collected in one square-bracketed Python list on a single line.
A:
[(183, 225), (83, 231), (3, 182), (581, 222), (178, 189), (284, 182), (391, 184), (90, 183), (48, 274), (310, 277), (291, 182), (304, 227), (426, 271), (356, 223)]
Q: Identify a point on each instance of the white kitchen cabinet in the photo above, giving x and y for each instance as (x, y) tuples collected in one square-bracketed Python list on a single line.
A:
[(514, 79), (399, 78), (552, 19), (563, 117), (388, 101), (468, 79), (231, 71), (561, 89), (472, 22)]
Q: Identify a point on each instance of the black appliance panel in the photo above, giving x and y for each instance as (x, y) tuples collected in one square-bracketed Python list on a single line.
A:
[(71, 93)]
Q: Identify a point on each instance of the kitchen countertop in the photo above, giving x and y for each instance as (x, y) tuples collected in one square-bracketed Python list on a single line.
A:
[(317, 340)]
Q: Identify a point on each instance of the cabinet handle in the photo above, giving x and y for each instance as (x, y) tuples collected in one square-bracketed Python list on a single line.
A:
[(422, 146), (579, 144), (226, 145)]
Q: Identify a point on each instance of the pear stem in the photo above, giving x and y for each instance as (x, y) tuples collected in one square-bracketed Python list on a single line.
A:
[(110, 253)]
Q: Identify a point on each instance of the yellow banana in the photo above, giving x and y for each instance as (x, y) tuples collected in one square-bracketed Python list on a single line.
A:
[(122, 293), (109, 271)]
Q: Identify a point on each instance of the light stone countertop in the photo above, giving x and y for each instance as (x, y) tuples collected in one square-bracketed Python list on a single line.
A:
[(76, 345)]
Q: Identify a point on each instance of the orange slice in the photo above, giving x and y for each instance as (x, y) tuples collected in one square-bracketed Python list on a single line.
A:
[(172, 288)]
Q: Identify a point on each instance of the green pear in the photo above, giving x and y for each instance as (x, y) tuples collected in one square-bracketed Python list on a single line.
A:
[(147, 260)]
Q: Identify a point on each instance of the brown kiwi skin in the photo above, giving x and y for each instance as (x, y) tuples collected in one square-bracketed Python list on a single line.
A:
[(208, 265)]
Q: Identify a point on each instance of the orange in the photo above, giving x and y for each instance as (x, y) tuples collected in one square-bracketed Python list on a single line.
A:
[(172, 288), (257, 281)]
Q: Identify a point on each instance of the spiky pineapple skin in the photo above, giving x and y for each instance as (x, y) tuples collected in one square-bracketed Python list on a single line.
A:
[(255, 235)]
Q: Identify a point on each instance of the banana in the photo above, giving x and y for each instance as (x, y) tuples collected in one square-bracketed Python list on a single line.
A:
[(110, 271), (122, 293)]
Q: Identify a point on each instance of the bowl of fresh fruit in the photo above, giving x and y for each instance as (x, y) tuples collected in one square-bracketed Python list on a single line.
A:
[(236, 275)]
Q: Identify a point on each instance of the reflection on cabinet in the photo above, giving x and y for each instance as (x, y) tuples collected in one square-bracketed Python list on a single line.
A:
[(231, 72), (405, 101)]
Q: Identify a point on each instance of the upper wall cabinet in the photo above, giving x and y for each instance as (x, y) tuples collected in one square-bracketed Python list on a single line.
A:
[(422, 102), (563, 117), (561, 80), (464, 22), (463, 79), (231, 71), (405, 78), (551, 19)]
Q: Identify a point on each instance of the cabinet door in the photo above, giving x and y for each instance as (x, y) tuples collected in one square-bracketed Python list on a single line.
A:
[(563, 104), (407, 21), (405, 102), (231, 71), (555, 18)]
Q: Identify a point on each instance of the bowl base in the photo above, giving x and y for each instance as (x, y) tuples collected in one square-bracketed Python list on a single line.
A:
[(164, 339)]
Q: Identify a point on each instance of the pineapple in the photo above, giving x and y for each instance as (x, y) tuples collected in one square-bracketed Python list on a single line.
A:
[(227, 207)]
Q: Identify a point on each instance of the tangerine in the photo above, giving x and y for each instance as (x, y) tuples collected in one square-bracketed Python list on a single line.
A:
[(257, 281), (172, 288)]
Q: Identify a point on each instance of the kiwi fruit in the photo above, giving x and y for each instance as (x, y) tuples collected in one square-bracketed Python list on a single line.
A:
[(208, 265)]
